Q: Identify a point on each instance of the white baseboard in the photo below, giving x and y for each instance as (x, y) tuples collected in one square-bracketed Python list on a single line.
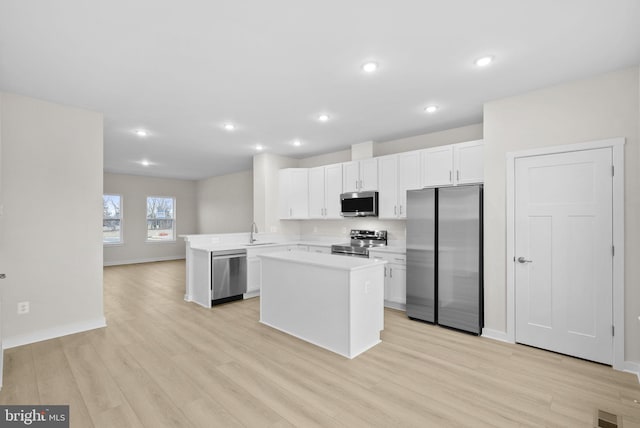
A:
[(495, 335), (251, 294), (150, 260), (632, 367), (52, 333), (395, 305)]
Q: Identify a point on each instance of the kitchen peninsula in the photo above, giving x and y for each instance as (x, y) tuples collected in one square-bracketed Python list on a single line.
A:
[(331, 301)]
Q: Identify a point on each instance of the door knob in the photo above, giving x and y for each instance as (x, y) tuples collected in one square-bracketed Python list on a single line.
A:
[(523, 260)]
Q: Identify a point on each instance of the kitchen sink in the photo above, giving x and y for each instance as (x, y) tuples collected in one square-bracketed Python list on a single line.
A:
[(260, 243)]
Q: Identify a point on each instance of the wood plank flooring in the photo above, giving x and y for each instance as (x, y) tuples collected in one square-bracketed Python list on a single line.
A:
[(162, 362)]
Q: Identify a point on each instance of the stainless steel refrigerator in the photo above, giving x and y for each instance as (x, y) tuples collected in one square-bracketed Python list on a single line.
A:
[(444, 257)]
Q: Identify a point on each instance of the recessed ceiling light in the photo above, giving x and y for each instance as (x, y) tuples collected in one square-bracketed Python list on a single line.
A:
[(484, 61), (431, 109), (141, 133), (229, 126), (370, 67), (145, 162), (297, 143), (259, 147), (323, 117)]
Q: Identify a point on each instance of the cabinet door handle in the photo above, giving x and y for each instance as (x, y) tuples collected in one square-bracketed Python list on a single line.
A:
[(458, 175), (449, 175), (400, 209), (356, 184), (390, 272), (394, 210), (385, 271)]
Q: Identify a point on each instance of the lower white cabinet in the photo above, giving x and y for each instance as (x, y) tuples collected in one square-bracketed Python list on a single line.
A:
[(254, 267), (395, 278)]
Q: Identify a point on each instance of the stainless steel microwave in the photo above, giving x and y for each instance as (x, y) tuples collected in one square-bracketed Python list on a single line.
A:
[(359, 204)]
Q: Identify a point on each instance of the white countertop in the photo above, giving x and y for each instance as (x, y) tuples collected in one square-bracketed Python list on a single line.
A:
[(237, 246), (331, 261)]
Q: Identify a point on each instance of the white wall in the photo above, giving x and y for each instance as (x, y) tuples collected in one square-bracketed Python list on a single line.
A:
[(225, 203), (265, 194), (134, 190), (441, 138), (592, 109), (51, 248)]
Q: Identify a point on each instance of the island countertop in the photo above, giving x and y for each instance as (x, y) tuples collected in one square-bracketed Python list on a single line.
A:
[(331, 261)]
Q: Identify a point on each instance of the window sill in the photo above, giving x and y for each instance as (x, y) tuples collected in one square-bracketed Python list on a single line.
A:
[(115, 244), (148, 241)]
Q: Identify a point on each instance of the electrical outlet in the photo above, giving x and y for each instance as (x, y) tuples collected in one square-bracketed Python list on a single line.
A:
[(315, 229), (344, 230), (23, 308)]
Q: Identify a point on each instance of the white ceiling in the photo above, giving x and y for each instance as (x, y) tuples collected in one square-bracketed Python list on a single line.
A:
[(181, 69)]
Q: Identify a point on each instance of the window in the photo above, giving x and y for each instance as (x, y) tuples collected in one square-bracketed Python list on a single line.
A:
[(161, 224), (111, 219)]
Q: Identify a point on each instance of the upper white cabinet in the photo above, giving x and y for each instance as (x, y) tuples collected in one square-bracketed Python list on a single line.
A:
[(360, 175), (437, 166), (452, 165), (293, 196), (397, 174), (325, 186), (469, 162), (388, 186), (408, 178)]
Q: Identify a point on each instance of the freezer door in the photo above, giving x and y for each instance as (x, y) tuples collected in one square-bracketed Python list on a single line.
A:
[(421, 239), (460, 258)]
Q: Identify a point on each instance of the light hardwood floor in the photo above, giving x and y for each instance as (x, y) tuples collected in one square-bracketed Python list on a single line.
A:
[(164, 362)]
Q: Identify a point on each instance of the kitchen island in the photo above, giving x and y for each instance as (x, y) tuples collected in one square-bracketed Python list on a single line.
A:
[(332, 301)]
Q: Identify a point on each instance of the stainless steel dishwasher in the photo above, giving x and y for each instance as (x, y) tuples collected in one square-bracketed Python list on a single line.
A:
[(228, 276)]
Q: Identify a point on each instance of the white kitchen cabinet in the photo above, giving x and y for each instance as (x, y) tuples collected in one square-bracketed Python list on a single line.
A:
[(388, 186), (254, 275), (293, 196), (397, 174), (360, 175), (469, 162), (453, 164), (325, 186), (437, 166), (254, 267), (395, 278)]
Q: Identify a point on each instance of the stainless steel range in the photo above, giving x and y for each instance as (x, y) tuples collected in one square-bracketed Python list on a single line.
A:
[(361, 241)]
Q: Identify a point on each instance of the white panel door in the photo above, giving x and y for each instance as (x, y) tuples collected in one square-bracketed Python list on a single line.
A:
[(563, 251)]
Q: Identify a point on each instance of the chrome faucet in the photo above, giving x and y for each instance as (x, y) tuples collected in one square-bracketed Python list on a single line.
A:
[(254, 229)]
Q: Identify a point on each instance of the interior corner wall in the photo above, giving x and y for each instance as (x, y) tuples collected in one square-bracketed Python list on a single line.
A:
[(265, 194), (592, 109), (134, 190), (225, 203), (51, 247)]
